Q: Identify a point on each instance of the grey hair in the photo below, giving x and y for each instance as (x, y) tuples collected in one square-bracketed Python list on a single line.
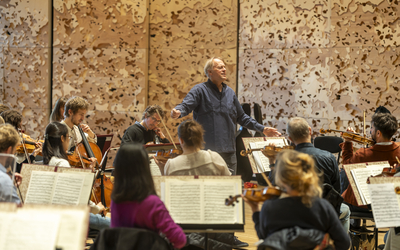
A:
[(210, 64), (297, 128)]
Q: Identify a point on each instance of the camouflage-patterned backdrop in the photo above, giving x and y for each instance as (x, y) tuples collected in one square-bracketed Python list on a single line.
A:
[(324, 60)]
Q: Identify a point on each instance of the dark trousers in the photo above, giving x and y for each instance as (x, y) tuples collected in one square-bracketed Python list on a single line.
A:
[(231, 161)]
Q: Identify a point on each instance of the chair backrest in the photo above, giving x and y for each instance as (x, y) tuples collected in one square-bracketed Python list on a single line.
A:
[(258, 117), (294, 238), (129, 239), (243, 163), (330, 144), (104, 142)]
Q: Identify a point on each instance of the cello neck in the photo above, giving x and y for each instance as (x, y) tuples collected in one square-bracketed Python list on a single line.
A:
[(86, 143)]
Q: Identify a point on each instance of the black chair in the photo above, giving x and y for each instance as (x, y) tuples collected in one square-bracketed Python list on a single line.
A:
[(243, 164), (258, 117), (359, 235), (129, 239), (330, 144)]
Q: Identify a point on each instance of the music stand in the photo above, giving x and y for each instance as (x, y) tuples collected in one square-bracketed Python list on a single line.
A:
[(104, 142)]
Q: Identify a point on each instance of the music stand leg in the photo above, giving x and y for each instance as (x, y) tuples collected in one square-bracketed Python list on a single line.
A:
[(206, 241)]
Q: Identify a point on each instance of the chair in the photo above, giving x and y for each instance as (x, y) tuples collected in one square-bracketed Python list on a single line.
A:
[(129, 239), (330, 144), (296, 238), (243, 164), (363, 234)]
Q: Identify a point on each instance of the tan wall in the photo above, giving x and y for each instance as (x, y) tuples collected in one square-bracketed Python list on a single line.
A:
[(324, 60)]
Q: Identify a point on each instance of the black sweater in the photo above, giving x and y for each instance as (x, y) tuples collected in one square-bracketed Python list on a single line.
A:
[(137, 133), (277, 214)]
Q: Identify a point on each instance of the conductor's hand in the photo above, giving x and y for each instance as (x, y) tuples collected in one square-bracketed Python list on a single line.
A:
[(349, 129), (271, 132), (175, 113)]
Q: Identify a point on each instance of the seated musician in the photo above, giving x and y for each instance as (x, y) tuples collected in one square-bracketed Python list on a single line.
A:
[(14, 118), (147, 129), (57, 115), (134, 199), (74, 113), (302, 204), (54, 154), (194, 160), (383, 127), (9, 140)]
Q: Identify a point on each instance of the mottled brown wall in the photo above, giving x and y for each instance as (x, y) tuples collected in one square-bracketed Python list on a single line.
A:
[(183, 35), (326, 61), (100, 53), (24, 50)]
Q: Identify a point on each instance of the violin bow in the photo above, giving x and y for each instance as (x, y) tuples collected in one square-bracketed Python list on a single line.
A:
[(23, 146), (165, 127)]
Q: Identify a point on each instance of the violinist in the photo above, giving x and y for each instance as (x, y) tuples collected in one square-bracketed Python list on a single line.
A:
[(299, 132), (302, 206), (147, 129), (383, 127), (74, 113), (9, 140), (54, 154), (194, 160), (14, 118), (56, 142)]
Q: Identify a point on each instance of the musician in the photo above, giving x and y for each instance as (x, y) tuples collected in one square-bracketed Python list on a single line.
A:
[(57, 115), (383, 127), (14, 118), (134, 199), (55, 146), (194, 160), (74, 113), (302, 206), (216, 107), (299, 132), (147, 129), (9, 140)]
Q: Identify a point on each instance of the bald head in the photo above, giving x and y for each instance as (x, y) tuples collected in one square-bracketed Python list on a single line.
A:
[(298, 130)]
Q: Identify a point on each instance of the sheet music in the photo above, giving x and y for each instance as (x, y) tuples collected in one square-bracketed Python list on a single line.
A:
[(202, 201), (360, 176), (154, 169), (40, 188), (385, 205), (34, 231), (68, 189), (260, 159)]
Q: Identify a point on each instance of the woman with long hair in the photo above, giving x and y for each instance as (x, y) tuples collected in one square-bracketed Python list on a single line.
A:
[(194, 160), (134, 199), (57, 115), (302, 204)]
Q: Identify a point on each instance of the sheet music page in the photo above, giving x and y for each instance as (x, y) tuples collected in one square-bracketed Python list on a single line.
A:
[(68, 188), (260, 159), (86, 188), (33, 231), (385, 205), (360, 176), (154, 169), (202, 201), (215, 211), (183, 199), (41, 187)]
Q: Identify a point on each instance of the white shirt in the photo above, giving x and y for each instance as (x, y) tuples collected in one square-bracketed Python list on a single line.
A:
[(59, 162), (199, 163)]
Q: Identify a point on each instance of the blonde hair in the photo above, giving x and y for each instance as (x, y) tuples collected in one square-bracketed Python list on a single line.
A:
[(8, 137), (297, 170)]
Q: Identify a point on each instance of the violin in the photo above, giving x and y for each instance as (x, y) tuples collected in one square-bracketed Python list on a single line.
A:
[(355, 137), (255, 194), (29, 144), (164, 155), (267, 150)]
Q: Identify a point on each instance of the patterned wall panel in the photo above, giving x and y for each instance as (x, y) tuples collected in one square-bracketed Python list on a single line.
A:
[(326, 61), (101, 54), (24, 32), (183, 35)]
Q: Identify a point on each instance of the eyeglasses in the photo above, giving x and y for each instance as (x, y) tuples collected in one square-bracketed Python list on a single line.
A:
[(155, 120)]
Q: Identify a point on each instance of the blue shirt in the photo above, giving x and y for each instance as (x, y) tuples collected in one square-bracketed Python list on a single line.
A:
[(7, 189), (218, 113)]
